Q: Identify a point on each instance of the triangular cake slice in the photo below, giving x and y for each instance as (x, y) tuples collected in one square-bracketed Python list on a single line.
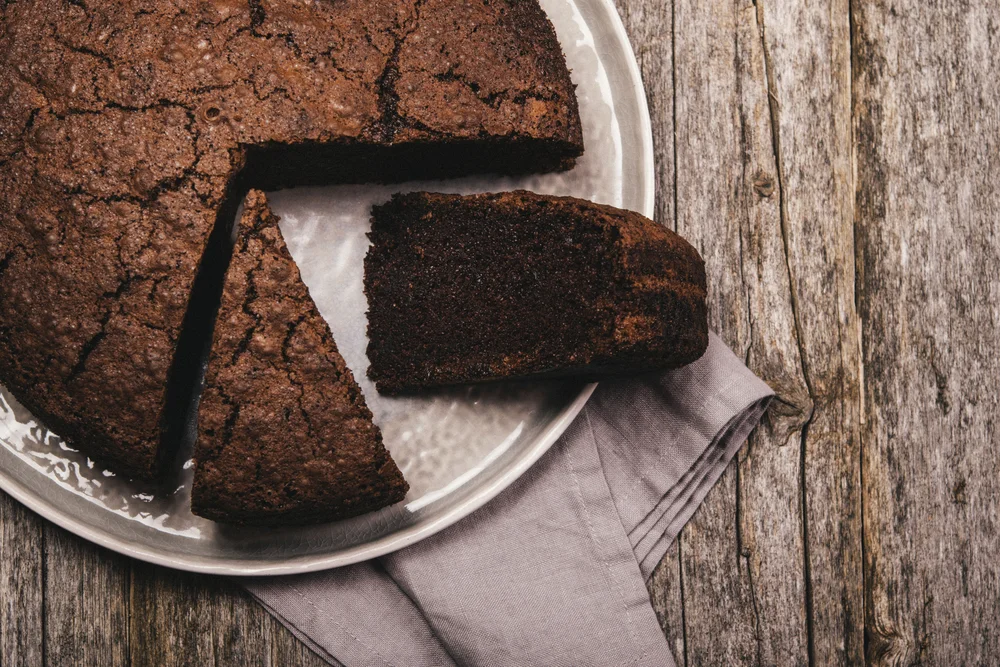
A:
[(514, 285), (284, 434)]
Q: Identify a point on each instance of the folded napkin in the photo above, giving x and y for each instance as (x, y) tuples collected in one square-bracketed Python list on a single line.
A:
[(552, 571)]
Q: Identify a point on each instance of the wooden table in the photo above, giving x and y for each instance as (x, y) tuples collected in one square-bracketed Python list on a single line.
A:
[(837, 164)]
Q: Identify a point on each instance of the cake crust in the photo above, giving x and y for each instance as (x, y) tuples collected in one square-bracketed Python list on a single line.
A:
[(285, 436), (519, 285), (129, 130)]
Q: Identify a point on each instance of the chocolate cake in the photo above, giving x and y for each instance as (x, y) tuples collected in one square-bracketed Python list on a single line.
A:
[(284, 434), (514, 285), (129, 130)]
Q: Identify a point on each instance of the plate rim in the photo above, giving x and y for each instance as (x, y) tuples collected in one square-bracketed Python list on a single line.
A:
[(411, 534)]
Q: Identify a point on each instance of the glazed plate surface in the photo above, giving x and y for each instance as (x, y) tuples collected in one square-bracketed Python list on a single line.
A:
[(458, 448)]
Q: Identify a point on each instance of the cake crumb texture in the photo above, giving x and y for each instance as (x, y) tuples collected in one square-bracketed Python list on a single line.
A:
[(516, 285)]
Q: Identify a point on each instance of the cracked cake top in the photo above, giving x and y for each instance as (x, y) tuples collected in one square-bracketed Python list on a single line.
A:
[(285, 436), (127, 129)]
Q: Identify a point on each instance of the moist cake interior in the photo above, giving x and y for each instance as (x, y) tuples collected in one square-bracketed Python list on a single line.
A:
[(512, 285)]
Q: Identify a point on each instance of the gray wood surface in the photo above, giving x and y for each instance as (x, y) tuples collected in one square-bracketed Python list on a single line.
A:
[(927, 131), (835, 162)]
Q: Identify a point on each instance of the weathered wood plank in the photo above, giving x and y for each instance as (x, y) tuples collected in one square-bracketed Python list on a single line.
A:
[(86, 602), (742, 557), (21, 594), (241, 628), (185, 619), (927, 131), (807, 48), (720, 620)]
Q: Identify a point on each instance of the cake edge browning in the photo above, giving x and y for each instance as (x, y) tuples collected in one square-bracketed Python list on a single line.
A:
[(665, 284)]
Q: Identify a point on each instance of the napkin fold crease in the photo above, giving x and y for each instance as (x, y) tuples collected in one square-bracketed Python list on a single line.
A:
[(552, 571)]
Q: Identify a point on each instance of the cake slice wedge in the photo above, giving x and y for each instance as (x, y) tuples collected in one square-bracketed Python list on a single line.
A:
[(284, 436), (514, 285)]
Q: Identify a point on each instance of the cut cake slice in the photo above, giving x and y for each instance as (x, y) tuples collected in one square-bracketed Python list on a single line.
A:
[(284, 435), (513, 285)]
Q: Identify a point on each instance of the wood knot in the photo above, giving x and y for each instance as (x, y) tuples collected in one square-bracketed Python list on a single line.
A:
[(884, 647), (763, 185), (958, 495)]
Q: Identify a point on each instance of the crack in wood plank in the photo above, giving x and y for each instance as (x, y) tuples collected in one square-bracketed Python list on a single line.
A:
[(774, 108)]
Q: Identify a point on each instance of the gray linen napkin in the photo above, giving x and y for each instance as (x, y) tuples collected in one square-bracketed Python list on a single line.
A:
[(552, 571)]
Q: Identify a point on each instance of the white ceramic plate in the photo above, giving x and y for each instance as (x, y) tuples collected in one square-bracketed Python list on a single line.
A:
[(457, 448)]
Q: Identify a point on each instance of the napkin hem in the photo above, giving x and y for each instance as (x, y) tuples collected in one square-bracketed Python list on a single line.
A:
[(299, 634)]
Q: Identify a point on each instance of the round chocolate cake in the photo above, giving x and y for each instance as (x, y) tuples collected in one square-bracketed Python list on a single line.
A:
[(130, 131)]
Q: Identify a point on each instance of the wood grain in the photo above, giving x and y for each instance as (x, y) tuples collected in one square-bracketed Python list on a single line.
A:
[(21, 590), (927, 135), (807, 47), (805, 53), (86, 602), (187, 619), (835, 162), (736, 558)]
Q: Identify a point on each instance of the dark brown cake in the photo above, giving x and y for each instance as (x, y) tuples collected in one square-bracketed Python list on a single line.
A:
[(284, 435), (467, 289), (128, 129)]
